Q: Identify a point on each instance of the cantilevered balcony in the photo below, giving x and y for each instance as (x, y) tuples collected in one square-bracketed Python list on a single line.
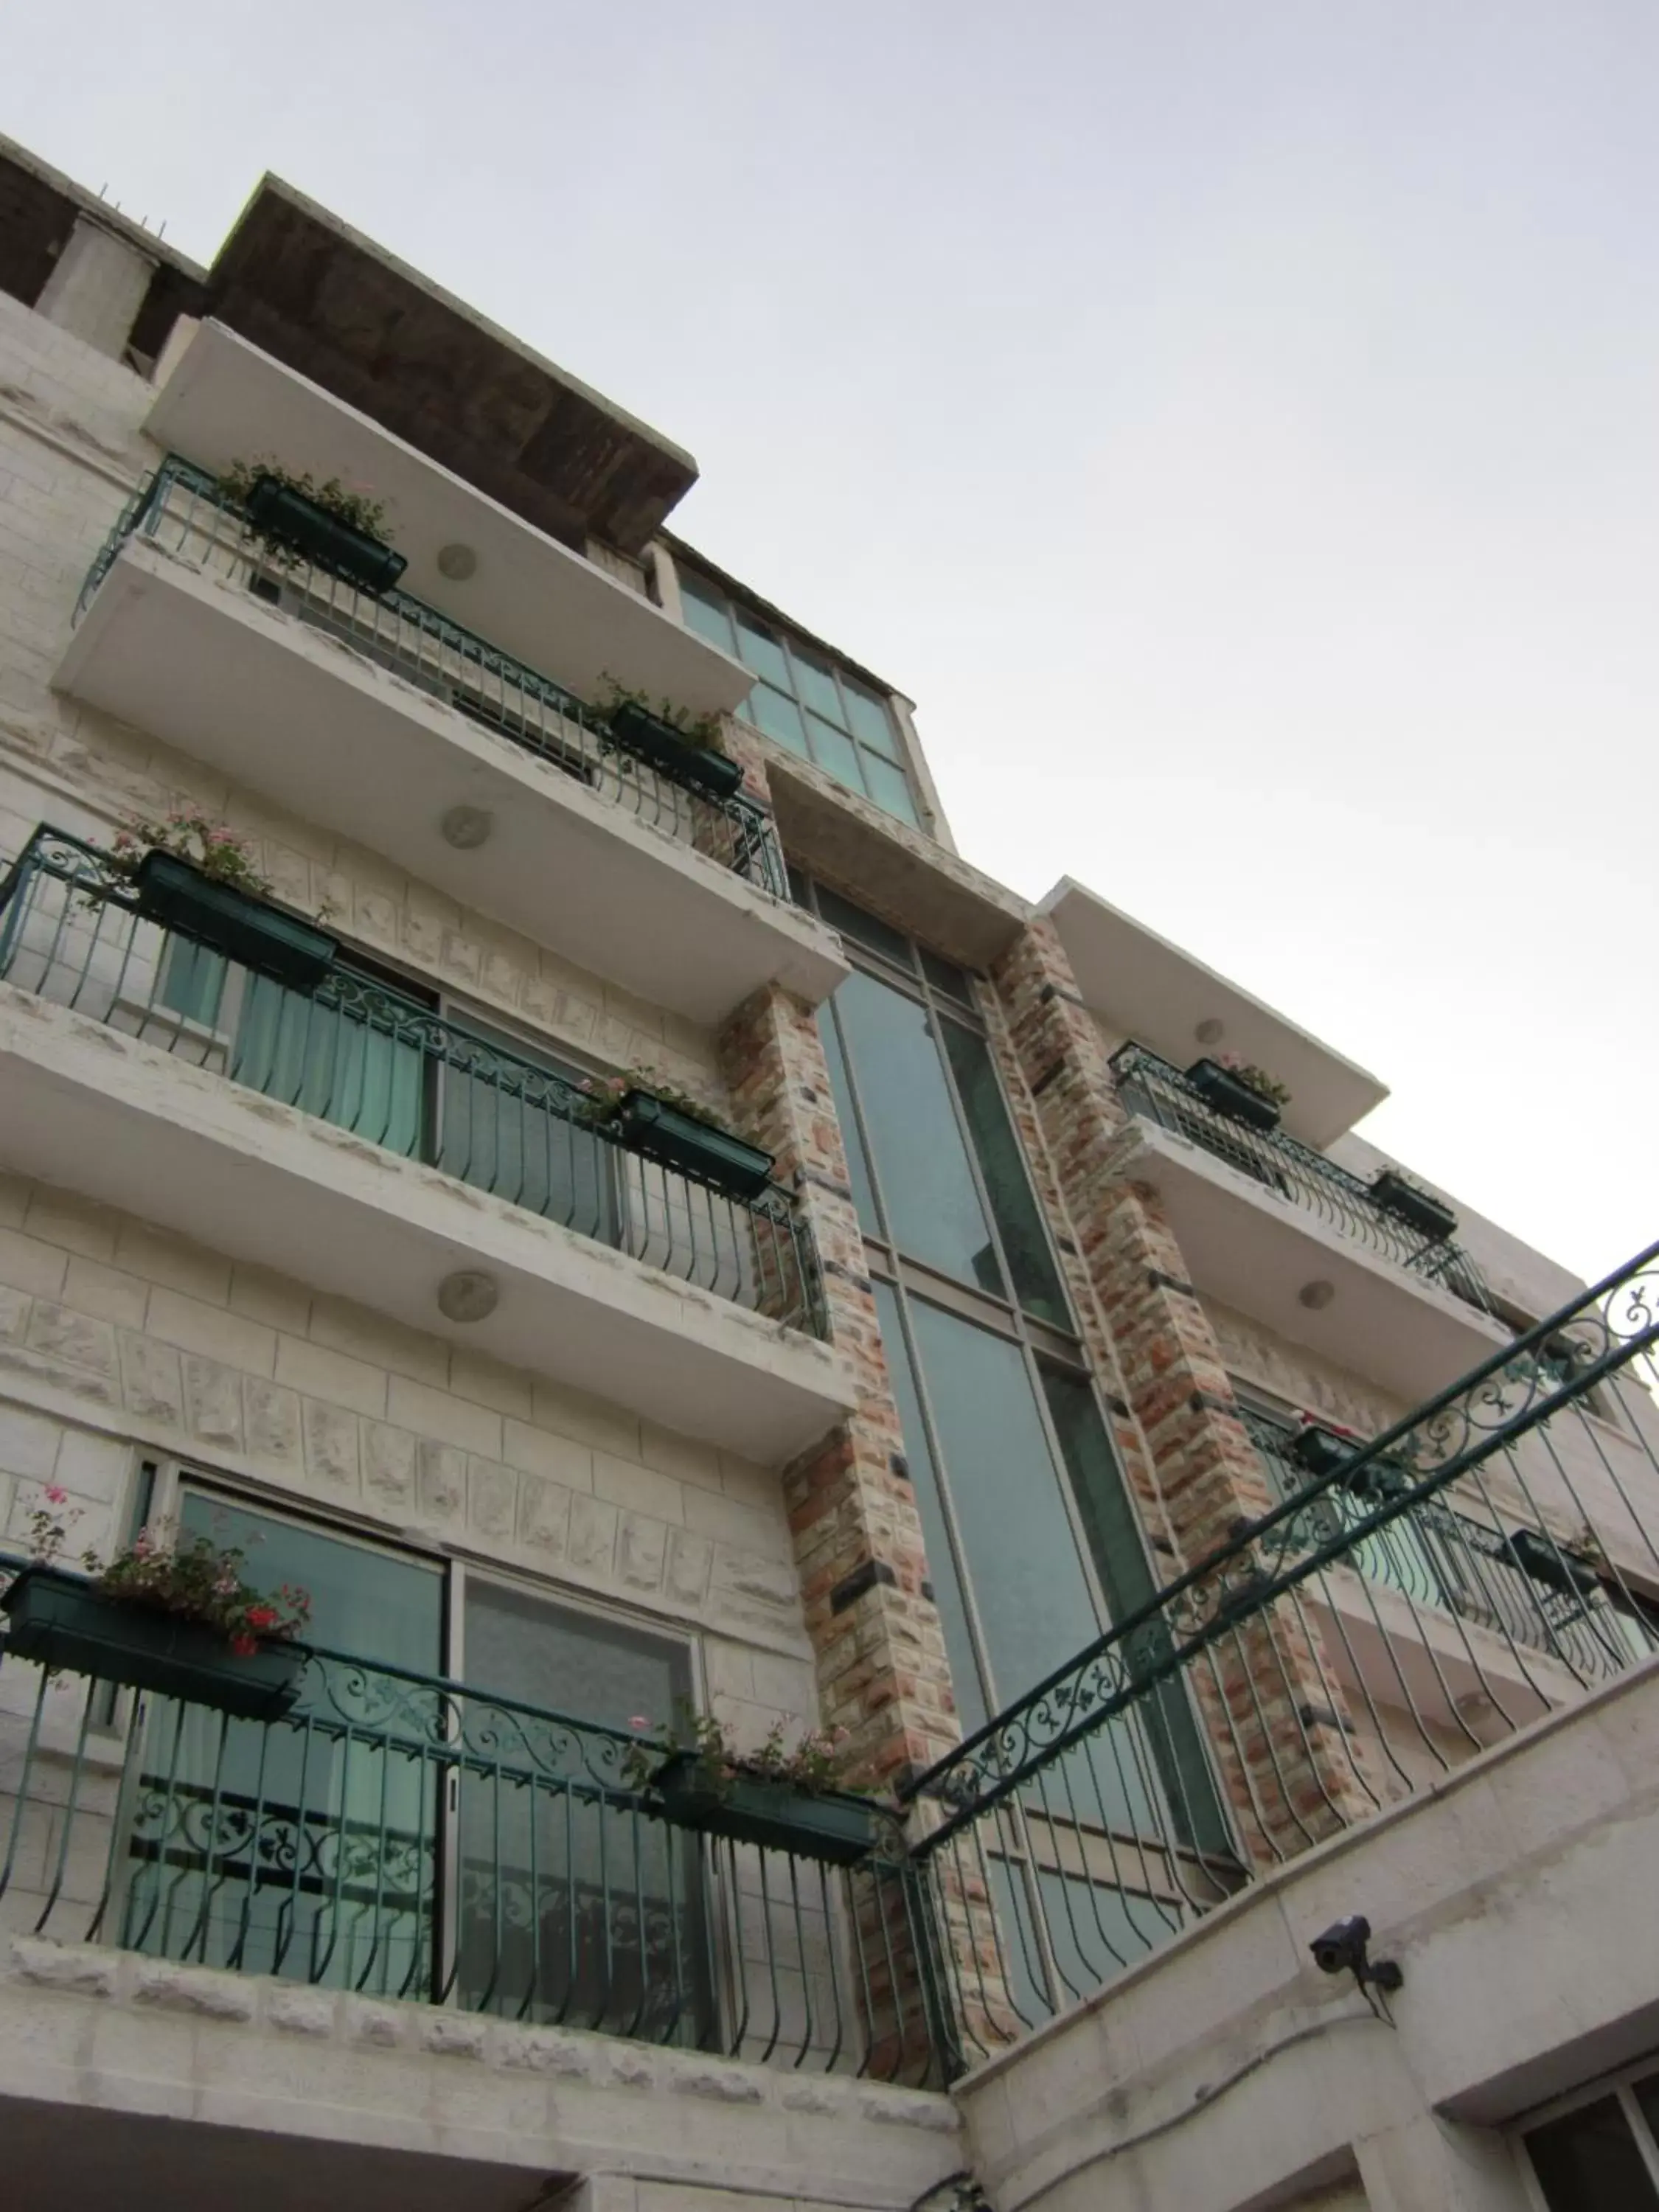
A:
[(395, 726), (345, 1133), (1271, 1227)]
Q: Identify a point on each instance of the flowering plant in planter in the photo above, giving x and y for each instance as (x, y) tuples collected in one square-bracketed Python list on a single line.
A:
[(813, 1765), (1253, 1078), (196, 838), (354, 505), (189, 1577)]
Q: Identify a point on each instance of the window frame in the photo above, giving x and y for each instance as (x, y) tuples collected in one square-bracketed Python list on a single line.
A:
[(799, 650), (1620, 2086)]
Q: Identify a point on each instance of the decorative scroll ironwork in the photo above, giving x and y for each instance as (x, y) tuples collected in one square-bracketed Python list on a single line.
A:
[(1551, 1368)]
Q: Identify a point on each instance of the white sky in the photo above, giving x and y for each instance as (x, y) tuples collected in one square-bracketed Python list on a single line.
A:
[(1232, 421)]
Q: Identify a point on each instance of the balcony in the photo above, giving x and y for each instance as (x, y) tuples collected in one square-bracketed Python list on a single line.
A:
[(352, 1138), (1271, 1227), (391, 723), (402, 1836)]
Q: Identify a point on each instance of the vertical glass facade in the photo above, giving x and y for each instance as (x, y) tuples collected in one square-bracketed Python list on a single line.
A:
[(805, 700), (1032, 1543)]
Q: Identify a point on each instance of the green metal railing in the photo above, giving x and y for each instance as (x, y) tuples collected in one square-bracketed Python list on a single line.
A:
[(1082, 1826), (359, 1055), (411, 1837), (1161, 1093), (183, 510)]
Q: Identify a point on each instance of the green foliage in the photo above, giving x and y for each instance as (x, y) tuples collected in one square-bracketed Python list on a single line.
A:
[(1255, 1078), (603, 1095), (815, 1763), (701, 730), (354, 505)]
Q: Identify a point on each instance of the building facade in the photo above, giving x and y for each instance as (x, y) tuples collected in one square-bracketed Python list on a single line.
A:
[(1188, 1522)]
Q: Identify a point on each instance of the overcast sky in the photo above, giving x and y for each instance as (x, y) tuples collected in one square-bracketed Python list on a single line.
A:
[(1233, 422)]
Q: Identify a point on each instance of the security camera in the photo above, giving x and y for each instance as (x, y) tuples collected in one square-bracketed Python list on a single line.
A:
[(1344, 1948)]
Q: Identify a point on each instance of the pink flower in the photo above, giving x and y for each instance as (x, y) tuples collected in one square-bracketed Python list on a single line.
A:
[(55, 1494), (639, 1720)]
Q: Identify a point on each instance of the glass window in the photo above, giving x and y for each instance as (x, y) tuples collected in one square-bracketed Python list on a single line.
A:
[(865, 929), (871, 720), (706, 613), (1029, 1585), (921, 1164), (971, 1711), (778, 716), (945, 975), (1036, 1284), (496, 1129), (804, 703), (833, 749), (761, 651), (818, 686), (1590, 2158), (889, 789), (858, 1168), (572, 1907)]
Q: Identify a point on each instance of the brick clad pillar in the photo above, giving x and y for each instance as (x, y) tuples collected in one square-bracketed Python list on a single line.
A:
[(883, 1673), (1283, 1742)]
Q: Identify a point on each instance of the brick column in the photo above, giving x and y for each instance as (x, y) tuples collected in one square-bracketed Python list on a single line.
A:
[(1267, 1694)]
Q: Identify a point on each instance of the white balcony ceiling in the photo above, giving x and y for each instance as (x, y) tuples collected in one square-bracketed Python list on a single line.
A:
[(285, 710), (222, 400), (1257, 1253), (1145, 987)]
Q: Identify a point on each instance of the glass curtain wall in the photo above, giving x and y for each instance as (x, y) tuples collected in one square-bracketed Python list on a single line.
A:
[(1031, 1541)]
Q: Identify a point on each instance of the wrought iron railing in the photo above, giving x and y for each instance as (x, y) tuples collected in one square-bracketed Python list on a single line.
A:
[(183, 510), (409, 1837), (1437, 1556), (359, 1055), (1161, 1093), (1269, 1698)]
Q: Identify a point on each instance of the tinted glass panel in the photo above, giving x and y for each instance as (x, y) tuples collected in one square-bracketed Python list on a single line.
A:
[(1034, 1603), (945, 976), (864, 929), (833, 749), (779, 717), (1095, 1932), (857, 1167), (888, 788), (306, 1851), (932, 1208), (1588, 2161), (1036, 1284), (705, 615), (816, 686), (870, 719), (1169, 1733), (941, 1563), (761, 651)]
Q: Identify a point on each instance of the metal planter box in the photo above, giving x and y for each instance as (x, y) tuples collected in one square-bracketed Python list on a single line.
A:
[(58, 1619), (179, 896), (1219, 1087), (1415, 1207), (662, 1132), (1556, 1568), (1319, 1451), (834, 1827), (286, 518), (649, 739)]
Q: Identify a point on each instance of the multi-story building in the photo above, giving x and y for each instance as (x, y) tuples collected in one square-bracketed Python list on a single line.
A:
[(1202, 1531)]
